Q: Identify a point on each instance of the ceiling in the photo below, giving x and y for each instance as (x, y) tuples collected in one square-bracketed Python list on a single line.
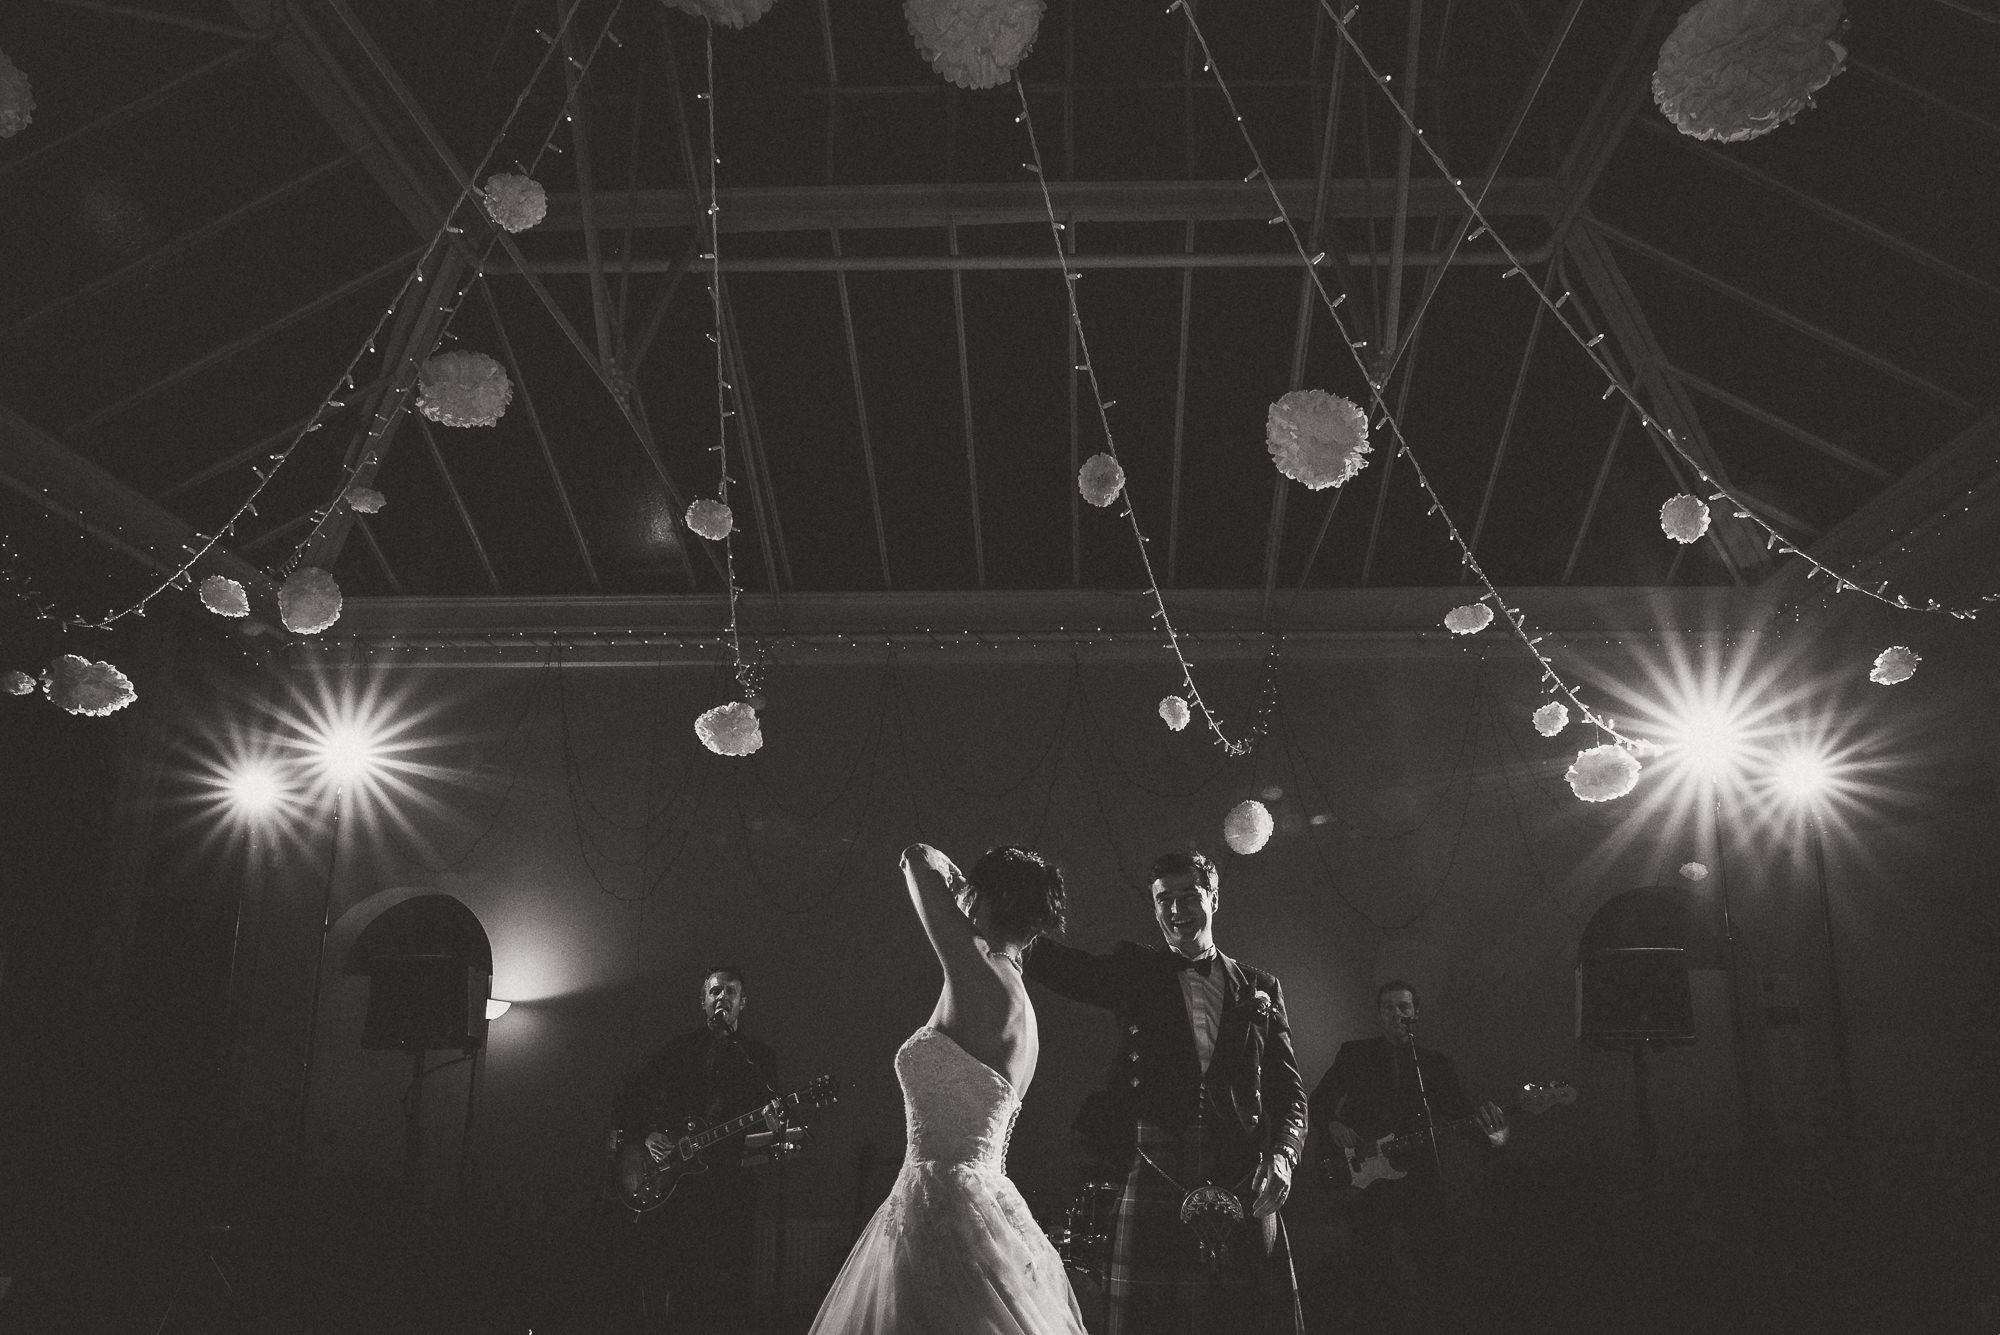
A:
[(220, 206)]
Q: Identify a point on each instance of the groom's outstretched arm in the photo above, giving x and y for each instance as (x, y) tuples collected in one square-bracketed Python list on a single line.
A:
[(1076, 974)]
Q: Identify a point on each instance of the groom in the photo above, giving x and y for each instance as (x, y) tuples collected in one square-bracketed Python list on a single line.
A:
[(1209, 1095)]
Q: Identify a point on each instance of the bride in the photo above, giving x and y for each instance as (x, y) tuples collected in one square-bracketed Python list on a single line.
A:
[(953, 1248)]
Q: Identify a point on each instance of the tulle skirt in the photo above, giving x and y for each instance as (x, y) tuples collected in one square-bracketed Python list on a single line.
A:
[(952, 1251)]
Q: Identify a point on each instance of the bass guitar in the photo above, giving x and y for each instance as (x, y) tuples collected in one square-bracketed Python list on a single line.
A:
[(1375, 1161), (643, 1177)]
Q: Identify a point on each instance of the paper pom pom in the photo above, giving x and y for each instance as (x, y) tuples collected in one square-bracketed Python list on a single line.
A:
[(1693, 871), (973, 43), (1736, 69), (80, 686), (1551, 718), (17, 104), (1469, 619), (711, 519), (1894, 664), (17, 683), (1317, 438), (309, 601), (1175, 711), (729, 13), (1100, 480), (224, 597), (1602, 773), (1684, 518), (365, 500), (463, 389), (1247, 827), (515, 202), (730, 730)]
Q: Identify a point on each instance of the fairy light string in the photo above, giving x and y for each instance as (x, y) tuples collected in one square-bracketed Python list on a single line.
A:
[(265, 473), (747, 676), (1552, 680), (1773, 539), (1234, 747)]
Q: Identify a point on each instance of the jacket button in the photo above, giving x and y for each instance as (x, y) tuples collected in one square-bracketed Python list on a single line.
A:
[(1135, 1082), (1131, 1056), (1132, 1029)]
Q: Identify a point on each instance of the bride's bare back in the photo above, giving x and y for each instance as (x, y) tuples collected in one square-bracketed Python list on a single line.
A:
[(984, 1006)]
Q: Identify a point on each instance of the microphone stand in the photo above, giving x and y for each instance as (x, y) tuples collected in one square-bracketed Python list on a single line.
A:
[(1424, 1099), (778, 1155)]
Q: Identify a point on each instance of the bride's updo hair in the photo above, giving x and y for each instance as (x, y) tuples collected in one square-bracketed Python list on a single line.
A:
[(1025, 891)]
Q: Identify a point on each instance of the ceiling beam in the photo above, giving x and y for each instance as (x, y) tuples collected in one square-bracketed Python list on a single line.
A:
[(817, 208), (1613, 296), (54, 476)]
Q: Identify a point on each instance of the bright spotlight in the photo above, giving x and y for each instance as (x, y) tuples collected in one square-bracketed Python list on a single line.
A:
[(1711, 741), (254, 789), (347, 752), (1804, 777), (495, 1007)]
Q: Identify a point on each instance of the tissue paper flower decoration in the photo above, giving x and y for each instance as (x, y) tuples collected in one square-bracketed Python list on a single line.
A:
[(80, 686), (309, 601), (711, 519), (515, 202), (1736, 69), (1100, 480), (729, 13), (365, 500), (1247, 827), (17, 104), (17, 683), (1684, 518), (1551, 718), (1894, 664), (224, 597), (463, 389), (1469, 619), (1693, 871), (1175, 711), (1602, 773), (973, 43), (1317, 438), (730, 730)]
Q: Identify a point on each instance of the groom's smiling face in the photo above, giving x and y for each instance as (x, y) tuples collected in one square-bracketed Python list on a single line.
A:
[(1185, 912)]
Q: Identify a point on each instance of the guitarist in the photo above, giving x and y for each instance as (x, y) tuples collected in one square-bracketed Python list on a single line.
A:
[(703, 1241), (1405, 1258)]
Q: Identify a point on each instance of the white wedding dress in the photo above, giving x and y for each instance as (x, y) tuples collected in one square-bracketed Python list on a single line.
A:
[(953, 1250)]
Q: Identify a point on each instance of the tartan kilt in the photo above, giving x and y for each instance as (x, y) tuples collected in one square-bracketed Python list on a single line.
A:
[(1158, 1283)]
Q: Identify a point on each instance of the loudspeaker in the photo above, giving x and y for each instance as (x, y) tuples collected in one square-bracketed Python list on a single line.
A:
[(1634, 994), (419, 1003)]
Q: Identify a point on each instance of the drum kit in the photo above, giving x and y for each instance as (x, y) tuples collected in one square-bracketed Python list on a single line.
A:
[(1083, 1241)]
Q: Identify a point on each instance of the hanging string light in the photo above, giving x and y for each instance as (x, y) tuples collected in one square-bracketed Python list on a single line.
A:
[(1589, 343), (333, 401), (1191, 694)]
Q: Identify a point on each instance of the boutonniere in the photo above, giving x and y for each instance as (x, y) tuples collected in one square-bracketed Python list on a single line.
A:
[(1260, 1004)]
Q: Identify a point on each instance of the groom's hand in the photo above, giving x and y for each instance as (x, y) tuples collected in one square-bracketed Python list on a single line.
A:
[(1272, 1184)]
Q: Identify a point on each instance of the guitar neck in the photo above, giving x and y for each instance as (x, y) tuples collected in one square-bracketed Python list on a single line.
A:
[(724, 1130)]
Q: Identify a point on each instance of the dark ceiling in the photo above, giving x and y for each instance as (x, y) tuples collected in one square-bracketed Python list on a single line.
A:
[(218, 199)]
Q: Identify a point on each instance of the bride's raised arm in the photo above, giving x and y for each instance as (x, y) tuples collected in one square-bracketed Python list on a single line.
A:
[(937, 889)]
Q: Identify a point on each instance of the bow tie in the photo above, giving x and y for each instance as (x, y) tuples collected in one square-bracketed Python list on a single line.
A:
[(1199, 966)]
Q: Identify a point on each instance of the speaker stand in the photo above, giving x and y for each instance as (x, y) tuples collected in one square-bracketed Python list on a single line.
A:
[(1645, 1142)]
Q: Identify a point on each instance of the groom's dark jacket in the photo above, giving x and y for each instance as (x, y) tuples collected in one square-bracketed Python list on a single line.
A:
[(1252, 1091)]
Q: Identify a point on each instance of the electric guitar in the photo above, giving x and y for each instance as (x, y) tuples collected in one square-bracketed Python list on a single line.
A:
[(1374, 1161), (644, 1178)]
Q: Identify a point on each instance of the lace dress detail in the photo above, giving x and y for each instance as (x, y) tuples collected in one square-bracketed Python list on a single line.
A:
[(954, 1247)]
